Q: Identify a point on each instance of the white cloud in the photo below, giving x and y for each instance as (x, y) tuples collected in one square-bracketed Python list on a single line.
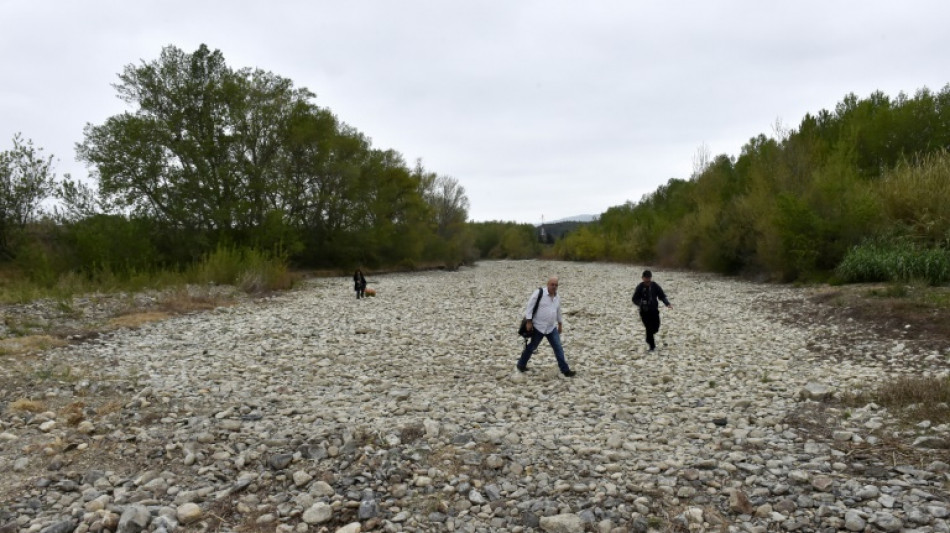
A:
[(551, 108)]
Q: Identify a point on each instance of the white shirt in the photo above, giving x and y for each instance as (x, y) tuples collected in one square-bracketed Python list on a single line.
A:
[(549, 311)]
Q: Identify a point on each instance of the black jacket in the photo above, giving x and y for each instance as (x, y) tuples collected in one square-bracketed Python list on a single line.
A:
[(647, 297)]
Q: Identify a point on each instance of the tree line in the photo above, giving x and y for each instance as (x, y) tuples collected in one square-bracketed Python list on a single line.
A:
[(211, 157), (854, 194)]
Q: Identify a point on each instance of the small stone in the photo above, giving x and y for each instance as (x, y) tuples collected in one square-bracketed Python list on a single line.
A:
[(322, 489), (931, 442), (853, 521), (822, 483), (135, 518), (887, 522), (188, 513), (816, 392), (562, 523), (66, 526), (739, 502), (368, 509), (318, 513), (301, 478), (280, 461)]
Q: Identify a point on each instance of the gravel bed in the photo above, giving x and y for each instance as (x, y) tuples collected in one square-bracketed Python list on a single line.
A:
[(314, 411)]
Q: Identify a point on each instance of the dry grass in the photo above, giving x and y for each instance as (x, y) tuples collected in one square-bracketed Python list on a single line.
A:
[(29, 344), (916, 398), (27, 405), (183, 300), (109, 408), (73, 413), (136, 320)]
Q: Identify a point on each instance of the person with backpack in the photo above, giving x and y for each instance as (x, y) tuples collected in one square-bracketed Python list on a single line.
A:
[(543, 320), (647, 297)]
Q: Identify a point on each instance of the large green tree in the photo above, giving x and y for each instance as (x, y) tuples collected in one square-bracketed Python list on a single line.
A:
[(201, 150), (214, 155)]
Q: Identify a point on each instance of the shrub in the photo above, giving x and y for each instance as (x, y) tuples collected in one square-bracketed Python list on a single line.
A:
[(876, 261), (251, 270)]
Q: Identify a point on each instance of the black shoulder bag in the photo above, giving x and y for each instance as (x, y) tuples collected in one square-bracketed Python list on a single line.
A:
[(523, 328)]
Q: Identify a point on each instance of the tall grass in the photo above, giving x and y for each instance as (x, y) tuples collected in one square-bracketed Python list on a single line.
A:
[(251, 270), (915, 194), (895, 261)]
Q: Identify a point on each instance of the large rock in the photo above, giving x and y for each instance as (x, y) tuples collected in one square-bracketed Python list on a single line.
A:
[(134, 518), (816, 392), (318, 513), (562, 523)]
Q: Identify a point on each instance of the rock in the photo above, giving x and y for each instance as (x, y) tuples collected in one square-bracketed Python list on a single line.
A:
[(815, 392), (368, 509), (322, 489), (318, 513), (280, 461), (822, 483), (887, 521), (66, 526), (931, 442), (739, 502), (134, 518), (562, 523), (854, 521), (301, 478), (188, 513)]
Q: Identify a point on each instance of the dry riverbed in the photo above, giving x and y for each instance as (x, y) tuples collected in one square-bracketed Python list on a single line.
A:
[(313, 411)]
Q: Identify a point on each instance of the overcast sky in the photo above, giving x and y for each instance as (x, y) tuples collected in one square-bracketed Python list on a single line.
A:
[(547, 108)]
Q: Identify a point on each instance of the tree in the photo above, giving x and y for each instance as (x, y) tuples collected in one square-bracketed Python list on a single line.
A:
[(26, 180), (202, 149), (448, 201)]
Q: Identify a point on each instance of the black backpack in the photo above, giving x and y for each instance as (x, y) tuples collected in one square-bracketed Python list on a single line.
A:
[(523, 328)]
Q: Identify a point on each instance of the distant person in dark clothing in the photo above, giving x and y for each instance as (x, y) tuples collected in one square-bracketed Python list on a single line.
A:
[(647, 297), (359, 284)]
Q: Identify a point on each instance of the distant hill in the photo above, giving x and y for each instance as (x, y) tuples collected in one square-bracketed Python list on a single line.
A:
[(555, 230), (576, 218)]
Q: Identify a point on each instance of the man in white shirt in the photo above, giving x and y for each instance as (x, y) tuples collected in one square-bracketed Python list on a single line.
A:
[(545, 323)]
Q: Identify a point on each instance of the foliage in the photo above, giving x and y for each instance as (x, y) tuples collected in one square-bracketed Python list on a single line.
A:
[(504, 240), (914, 194), (251, 270), (26, 179), (796, 206), (895, 261), (221, 157)]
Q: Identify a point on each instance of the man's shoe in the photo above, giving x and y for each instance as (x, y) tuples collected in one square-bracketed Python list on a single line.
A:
[(521, 368), (570, 374)]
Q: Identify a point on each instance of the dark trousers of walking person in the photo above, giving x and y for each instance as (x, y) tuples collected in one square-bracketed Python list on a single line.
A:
[(554, 338), (651, 321)]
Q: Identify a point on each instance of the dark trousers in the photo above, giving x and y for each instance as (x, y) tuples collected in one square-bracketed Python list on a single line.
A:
[(651, 321), (554, 338)]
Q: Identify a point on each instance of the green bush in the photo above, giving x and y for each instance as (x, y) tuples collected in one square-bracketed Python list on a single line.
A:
[(113, 243), (876, 261), (250, 269)]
